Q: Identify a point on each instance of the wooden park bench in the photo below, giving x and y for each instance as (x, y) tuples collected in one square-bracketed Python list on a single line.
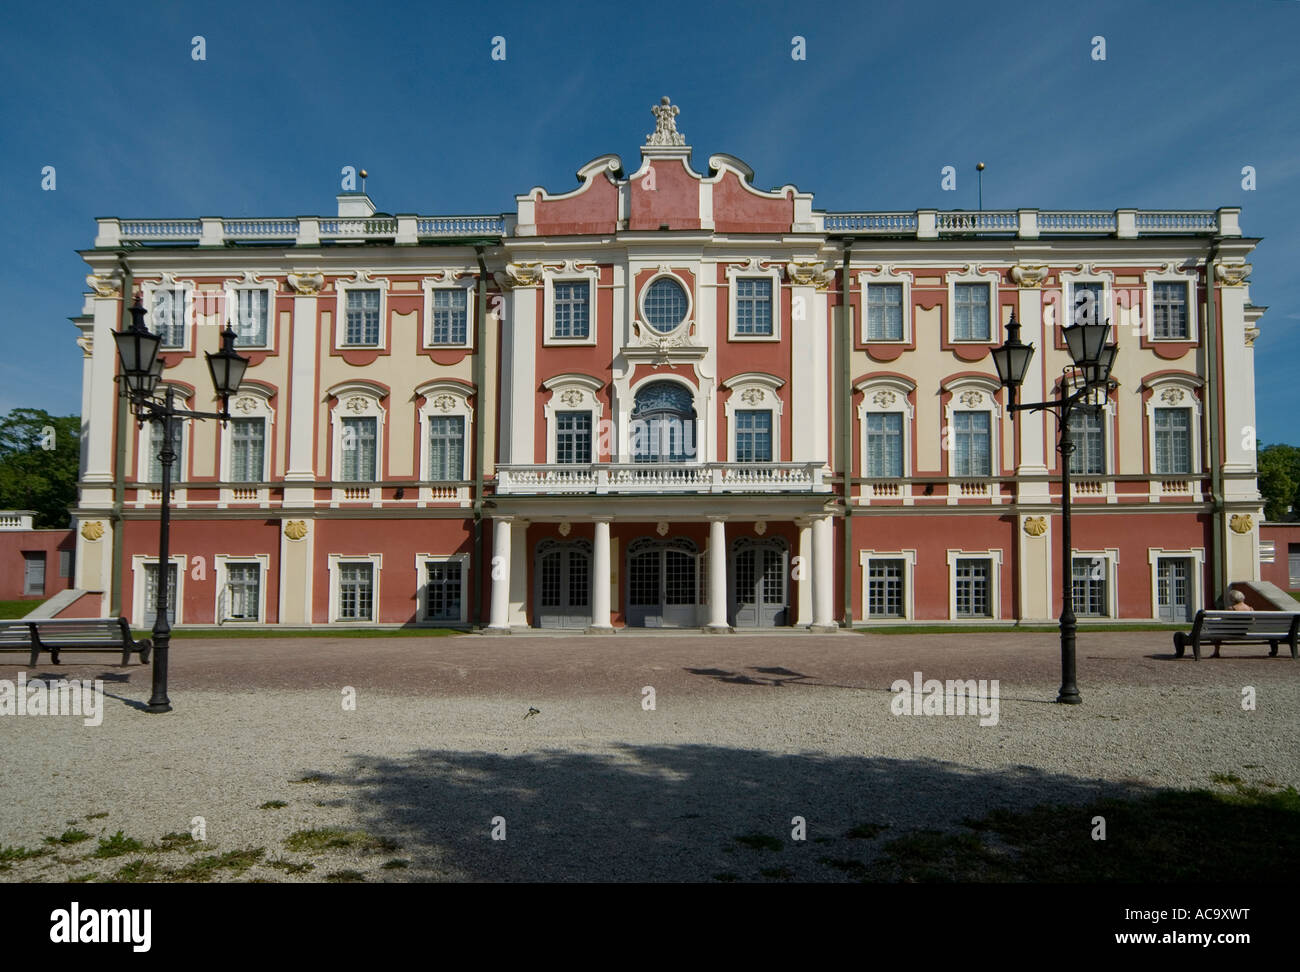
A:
[(54, 635), (1239, 628)]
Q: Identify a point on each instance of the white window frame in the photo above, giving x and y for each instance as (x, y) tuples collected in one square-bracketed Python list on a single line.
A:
[(138, 564), (371, 407), (990, 278), (363, 281), (421, 575), (1197, 556), (251, 402), (376, 574), (222, 603), (987, 387), (1188, 385), (734, 276), (444, 399), (899, 388), (1110, 556), (865, 557), (702, 401), (886, 275), (685, 323), (143, 446), (995, 582), (569, 274), (168, 282), (763, 389), (232, 310), (1189, 277), (449, 281), (580, 390)]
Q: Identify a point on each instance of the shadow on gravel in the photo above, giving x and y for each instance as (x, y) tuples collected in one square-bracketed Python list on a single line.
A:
[(687, 813)]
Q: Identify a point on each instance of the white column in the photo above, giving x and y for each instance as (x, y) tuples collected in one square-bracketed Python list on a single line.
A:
[(718, 575), (600, 579), (805, 592), (823, 574), (98, 420), (518, 614), (499, 615)]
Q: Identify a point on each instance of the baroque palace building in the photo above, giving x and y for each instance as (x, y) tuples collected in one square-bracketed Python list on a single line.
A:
[(667, 398)]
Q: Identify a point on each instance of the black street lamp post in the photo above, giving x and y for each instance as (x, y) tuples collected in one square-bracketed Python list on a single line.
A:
[(138, 354), (1093, 359)]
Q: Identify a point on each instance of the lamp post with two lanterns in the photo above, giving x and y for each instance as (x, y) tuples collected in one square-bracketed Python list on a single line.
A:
[(1088, 377), (142, 365)]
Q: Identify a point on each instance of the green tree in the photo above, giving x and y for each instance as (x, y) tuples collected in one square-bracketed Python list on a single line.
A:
[(1279, 480), (39, 459)]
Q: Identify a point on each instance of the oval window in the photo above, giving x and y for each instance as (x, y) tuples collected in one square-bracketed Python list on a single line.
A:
[(664, 304)]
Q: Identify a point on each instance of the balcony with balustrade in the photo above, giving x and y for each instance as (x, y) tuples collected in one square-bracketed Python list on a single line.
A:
[(653, 478)]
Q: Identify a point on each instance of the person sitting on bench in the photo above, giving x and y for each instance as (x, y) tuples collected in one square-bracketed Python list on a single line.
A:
[(1238, 600)]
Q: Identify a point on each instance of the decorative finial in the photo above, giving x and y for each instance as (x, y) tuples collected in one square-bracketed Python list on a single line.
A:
[(665, 132)]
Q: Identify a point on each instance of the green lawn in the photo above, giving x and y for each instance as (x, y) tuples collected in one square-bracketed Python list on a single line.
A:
[(911, 629), (17, 609), (261, 631)]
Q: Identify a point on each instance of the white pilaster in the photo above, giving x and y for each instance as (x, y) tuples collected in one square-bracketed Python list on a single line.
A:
[(1030, 428), (824, 575), (302, 403), (808, 373), (521, 326), (98, 421), (600, 579), (718, 574), (499, 613), (518, 615)]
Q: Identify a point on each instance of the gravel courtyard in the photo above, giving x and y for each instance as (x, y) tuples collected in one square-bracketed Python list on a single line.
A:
[(746, 733)]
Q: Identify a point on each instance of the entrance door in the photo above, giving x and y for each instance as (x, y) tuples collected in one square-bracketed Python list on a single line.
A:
[(562, 584), (663, 584), (758, 584), (1174, 589)]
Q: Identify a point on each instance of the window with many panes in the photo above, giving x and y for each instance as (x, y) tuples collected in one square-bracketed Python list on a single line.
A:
[(446, 447), (1088, 308), (973, 581), (356, 591), (1088, 435), (251, 318), (1173, 435), (442, 588), (573, 437), (243, 591), (155, 448), (885, 588), (247, 450), (362, 325), (754, 435), (167, 316), (972, 445), (359, 449), (884, 458), (753, 306), (1169, 311), (33, 572), (151, 594), (970, 313), (449, 313), (885, 312), (1088, 583), (572, 309)]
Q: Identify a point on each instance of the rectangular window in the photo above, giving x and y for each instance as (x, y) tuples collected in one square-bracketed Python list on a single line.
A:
[(1088, 303), (884, 445), (884, 312), (573, 437), (754, 436), (572, 309), (359, 436), (443, 591), (362, 318), (167, 316), (33, 573), (65, 563), (247, 450), (251, 318), (754, 306), (449, 309), (1293, 565), (151, 594), (973, 583), (971, 312), (972, 447), (356, 592), (155, 447), (885, 588), (447, 447), (1173, 441), (243, 591), (1089, 585), (1086, 432), (1169, 311)]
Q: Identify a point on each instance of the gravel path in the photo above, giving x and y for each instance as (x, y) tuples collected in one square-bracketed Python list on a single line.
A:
[(746, 733)]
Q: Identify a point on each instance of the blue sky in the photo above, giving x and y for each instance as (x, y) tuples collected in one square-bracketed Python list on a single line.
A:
[(1190, 92)]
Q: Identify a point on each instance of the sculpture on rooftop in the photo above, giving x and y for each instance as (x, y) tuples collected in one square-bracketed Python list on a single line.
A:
[(665, 132)]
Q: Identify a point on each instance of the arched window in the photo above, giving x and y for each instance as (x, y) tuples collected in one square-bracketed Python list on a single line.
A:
[(663, 424)]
